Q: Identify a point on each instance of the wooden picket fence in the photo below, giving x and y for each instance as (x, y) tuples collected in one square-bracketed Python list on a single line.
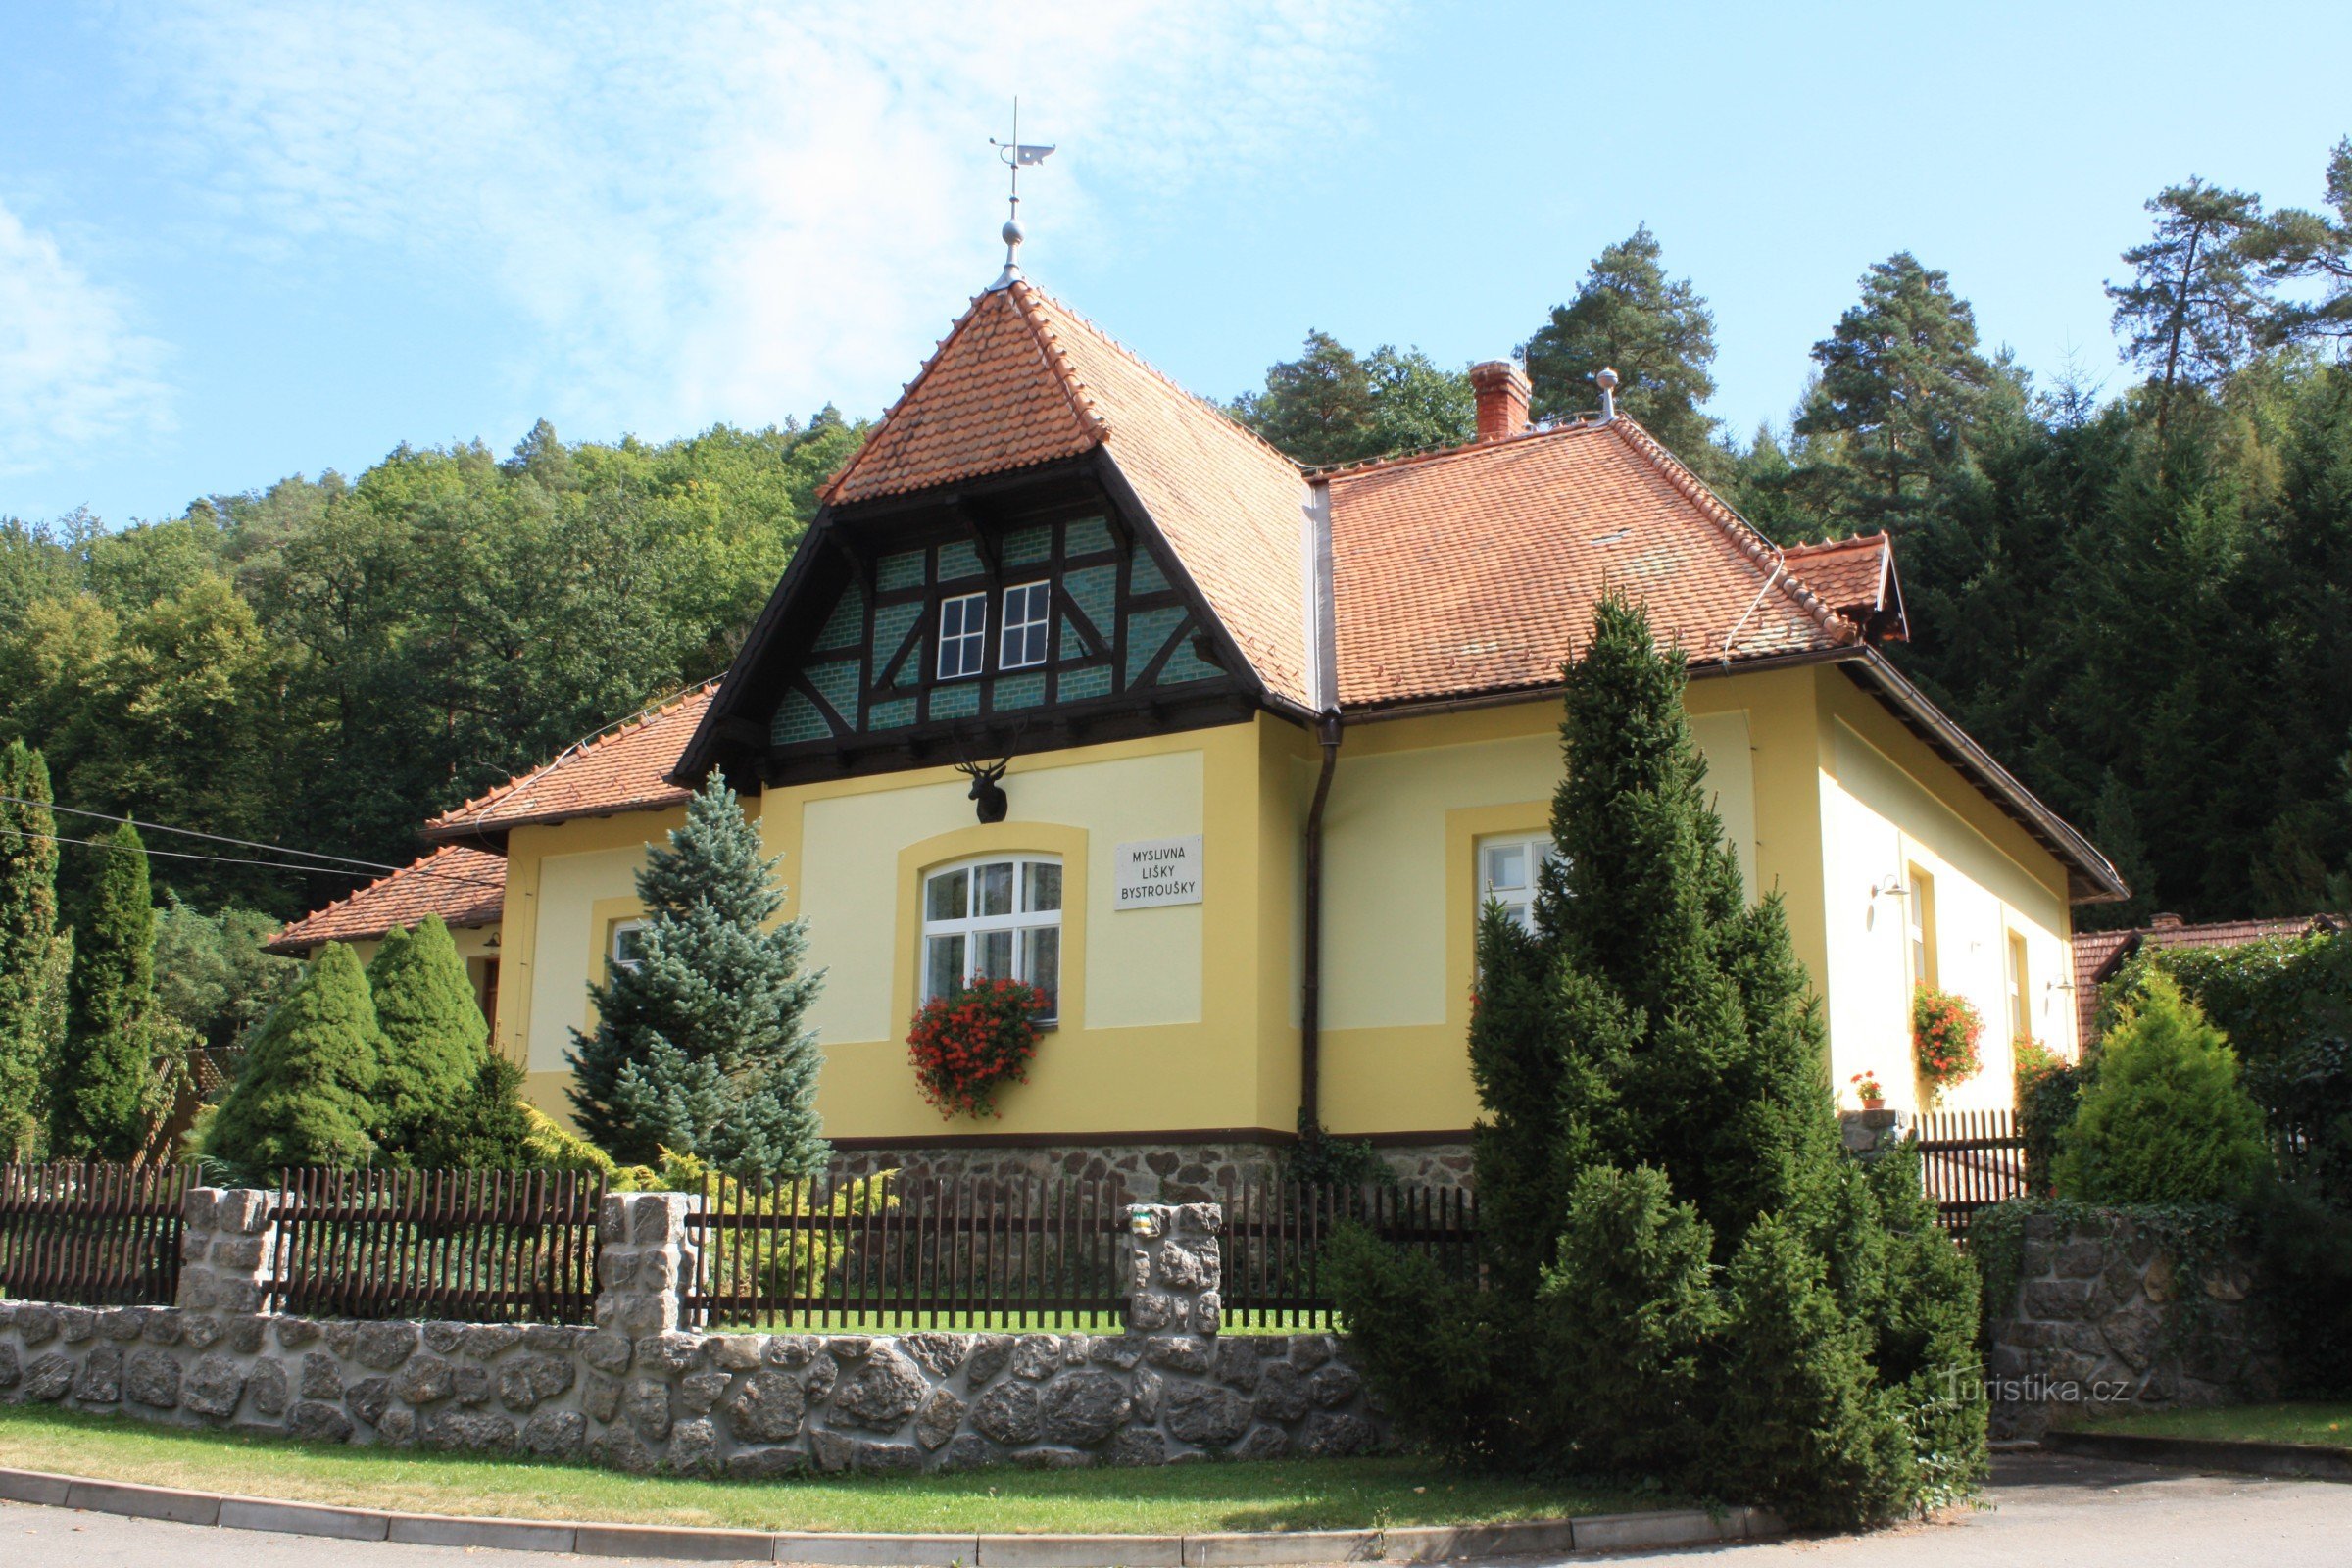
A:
[(91, 1234), (885, 1253), (888, 1253), (1970, 1159), (1276, 1233), (469, 1245)]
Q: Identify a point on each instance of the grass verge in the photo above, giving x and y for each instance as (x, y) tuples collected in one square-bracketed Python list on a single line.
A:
[(2322, 1425), (1303, 1494)]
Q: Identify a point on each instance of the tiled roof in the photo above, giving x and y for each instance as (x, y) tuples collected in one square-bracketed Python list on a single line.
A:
[(462, 885), (627, 768), (2099, 955), (1022, 379), (994, 395), (1853, 576), (1474, 571)]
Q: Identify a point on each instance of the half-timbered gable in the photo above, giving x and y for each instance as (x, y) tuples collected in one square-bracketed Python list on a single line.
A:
[(1044, 543)]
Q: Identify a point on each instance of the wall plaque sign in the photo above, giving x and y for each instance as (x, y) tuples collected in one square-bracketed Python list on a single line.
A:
[(1156, 871)]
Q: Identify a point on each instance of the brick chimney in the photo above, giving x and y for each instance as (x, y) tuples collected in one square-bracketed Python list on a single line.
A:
[(1501, 388), (2165, 923)]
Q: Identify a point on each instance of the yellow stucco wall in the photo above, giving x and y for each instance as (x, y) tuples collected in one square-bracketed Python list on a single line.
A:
[(1890, 807), (1186, 1018)]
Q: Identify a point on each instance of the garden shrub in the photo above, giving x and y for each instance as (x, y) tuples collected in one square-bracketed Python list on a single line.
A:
[(124, 1059), (35, 956), (702, 1047), (448, 1102), (2165, 1120), (1665, 1205), (2048, 1089), (306, 1093)]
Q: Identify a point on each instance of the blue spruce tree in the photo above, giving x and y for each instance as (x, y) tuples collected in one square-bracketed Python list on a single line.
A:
[(700, 1046)]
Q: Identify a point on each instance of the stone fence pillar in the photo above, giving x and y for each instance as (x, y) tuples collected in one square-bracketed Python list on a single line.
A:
[(1175, 1268), (646, 1261), (228, 1249)]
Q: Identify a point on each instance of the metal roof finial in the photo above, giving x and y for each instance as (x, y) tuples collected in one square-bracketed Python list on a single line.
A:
[(1018, 155)]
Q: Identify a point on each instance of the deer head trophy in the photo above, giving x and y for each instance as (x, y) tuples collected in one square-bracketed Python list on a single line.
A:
[(987, 792)]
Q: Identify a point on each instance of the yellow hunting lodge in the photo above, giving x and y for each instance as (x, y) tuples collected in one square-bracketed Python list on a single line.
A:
[(1270, 739)]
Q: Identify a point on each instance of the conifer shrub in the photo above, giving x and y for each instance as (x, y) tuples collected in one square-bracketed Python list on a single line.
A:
[(35, 956), (1688, 1281), (306, 1093), (702, 1048), (123, 1057), (447, 1101), (2165, 1122)]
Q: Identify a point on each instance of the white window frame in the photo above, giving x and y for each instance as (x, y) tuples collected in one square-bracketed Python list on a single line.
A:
[(968, 641), (1518, 902), (614, 953), (972, 925), (1023, 644)]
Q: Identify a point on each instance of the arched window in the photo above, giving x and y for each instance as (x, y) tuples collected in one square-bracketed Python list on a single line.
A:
[(991, 919)]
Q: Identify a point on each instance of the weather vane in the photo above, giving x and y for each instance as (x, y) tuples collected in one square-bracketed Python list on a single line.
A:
[(1018, 155)]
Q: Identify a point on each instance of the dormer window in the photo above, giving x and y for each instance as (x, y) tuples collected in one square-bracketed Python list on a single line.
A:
[(962, 635), (1027, 616)]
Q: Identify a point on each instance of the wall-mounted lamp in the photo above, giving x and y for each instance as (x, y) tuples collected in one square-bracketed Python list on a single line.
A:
[(2059, 985), (1889, 886)]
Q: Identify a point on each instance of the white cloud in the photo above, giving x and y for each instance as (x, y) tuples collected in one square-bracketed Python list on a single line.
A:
[(732, 209), (71, 370)]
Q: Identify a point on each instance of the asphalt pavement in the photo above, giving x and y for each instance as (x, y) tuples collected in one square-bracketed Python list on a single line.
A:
[(2040, 1509)]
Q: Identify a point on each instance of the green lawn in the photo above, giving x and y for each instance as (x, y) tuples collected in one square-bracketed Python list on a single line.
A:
[(2324, 1425), (1308, 1495)]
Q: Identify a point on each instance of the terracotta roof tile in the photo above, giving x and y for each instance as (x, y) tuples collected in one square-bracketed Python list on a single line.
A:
[(992, 397), (627, 768), (1848, 574), (462, 885), (1476, 569), (2099, 955)]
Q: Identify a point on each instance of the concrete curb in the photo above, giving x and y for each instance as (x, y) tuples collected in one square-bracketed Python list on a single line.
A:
[(1419, 1544), (2288, 1460)]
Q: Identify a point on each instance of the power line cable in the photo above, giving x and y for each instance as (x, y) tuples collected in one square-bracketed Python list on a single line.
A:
[(232, 859), (340, 860)]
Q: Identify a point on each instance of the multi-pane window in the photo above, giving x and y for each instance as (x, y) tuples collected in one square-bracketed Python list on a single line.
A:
[(962, 635), (1509, 871), (626, 947), (1027, 616), (993, 920)]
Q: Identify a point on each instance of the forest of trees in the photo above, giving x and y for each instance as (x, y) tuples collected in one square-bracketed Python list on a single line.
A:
[(2141, 602), (2142, 605)]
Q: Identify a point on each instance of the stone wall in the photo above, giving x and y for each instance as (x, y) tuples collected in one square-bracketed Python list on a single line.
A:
[(635, 1393), (2106, 1319), (742, 1405), (1167, 1173)]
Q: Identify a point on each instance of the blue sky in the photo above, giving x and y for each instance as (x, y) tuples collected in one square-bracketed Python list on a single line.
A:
[(244, 240)]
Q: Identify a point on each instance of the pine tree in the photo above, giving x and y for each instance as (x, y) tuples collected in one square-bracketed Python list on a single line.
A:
[(34, 955), (1332, 405), (1659, 1172), (112, 1081), (2189, 312), (700, 1048), (1901, 384), (306, 1093), (1657, 333), (445, 1104)]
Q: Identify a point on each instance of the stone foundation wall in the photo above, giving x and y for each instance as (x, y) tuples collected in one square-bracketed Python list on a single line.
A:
[(2106, 1320), (638, 1394), (739, 1404), (1164, 1173)]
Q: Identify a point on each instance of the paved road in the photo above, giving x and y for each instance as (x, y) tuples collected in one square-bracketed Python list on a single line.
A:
[(2045, 1510)]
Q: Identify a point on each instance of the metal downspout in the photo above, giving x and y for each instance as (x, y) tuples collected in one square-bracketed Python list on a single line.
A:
[(1310, 991)]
